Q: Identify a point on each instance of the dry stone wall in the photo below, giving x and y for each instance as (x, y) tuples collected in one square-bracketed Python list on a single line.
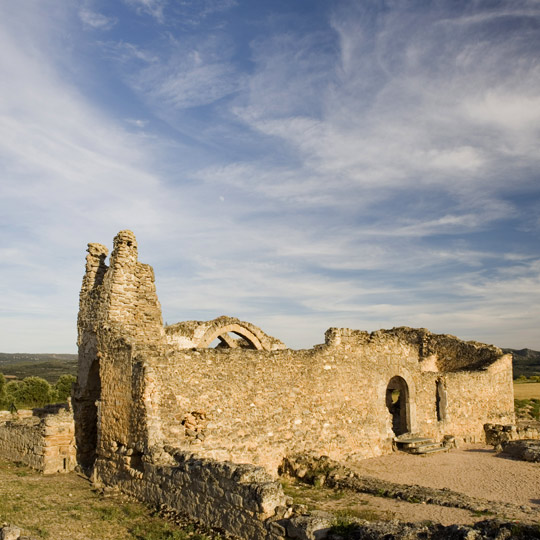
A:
[(498, 434), (195, 334), (43, 439), (243, 500)]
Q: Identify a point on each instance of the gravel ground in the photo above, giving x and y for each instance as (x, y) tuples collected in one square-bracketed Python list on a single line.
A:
[(475, 470)]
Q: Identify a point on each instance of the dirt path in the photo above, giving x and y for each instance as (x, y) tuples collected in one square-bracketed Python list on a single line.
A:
[(475, 470)]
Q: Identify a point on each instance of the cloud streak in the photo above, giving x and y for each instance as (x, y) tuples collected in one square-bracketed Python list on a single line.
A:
[(303, 167)]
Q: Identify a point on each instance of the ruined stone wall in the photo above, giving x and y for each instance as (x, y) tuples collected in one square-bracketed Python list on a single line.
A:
[(138, 392), (497, 434), (200, 334), (479, 397), (258, 406), (243, 500), (119, 317), (43, 440)]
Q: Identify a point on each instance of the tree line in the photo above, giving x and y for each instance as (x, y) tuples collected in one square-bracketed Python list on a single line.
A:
[(33, 392)]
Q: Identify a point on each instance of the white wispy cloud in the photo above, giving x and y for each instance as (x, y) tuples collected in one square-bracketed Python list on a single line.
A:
[(154, 8), (189, 76), (408, 104), (96, 20), (355, 175)]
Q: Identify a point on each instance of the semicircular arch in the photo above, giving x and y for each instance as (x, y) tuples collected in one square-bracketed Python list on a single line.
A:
[(235, 328)]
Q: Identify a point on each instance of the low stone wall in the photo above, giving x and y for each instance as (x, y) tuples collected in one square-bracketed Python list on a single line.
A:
[(491, 529), (43, 439), (243, 500), (498, 434)]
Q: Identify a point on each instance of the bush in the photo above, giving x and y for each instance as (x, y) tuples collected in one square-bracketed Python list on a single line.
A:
[(63, 387), (36, 392), (28, 393), (3, 391)]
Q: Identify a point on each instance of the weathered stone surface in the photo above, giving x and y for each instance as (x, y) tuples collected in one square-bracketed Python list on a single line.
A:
[(484, 530), (314, 526), (10, 533), (44, 439), (498, 434), (142, 389), (189, 334)]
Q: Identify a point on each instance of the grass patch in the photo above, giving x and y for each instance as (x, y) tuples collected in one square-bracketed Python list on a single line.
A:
[(346, 506), (308, 494), (64, 507), (527, 408)]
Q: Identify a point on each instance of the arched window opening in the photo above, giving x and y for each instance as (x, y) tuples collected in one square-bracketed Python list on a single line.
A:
[(231, 340)]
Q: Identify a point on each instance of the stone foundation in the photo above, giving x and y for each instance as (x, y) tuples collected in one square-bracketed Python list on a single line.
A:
[(243, 500)]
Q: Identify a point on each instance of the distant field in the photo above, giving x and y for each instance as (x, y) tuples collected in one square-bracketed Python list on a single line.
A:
[(526, 390), (47, 366)]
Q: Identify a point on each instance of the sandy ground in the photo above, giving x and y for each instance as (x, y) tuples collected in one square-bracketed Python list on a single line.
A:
[(473, 469)]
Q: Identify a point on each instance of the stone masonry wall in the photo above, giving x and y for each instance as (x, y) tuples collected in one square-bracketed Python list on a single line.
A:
[(119, 313), (139, 393), (44, 440), (259, 406), (243, 500)]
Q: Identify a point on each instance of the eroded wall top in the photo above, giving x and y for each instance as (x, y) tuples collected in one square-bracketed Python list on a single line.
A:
[(436, 352)]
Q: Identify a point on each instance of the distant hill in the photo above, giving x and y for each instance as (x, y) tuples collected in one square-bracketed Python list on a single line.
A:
[(51, 366), (48, 366), (526, 362)]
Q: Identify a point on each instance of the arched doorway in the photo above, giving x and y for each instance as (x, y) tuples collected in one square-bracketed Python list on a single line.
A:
[(397, 402), (85, 398)]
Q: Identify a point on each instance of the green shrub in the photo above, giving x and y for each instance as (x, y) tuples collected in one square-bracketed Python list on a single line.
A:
[(34, 392), (63, 387), (28, 393), (3, 391)]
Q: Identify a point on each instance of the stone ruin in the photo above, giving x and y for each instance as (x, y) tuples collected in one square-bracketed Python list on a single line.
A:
[(165, 416), (42, 439)]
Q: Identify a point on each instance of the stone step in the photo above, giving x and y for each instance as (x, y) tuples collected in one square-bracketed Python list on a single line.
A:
[(410, 443), (423, 447), (432, 450), (418, 445)]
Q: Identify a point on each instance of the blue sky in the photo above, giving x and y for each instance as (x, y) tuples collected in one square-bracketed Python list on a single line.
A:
[(297, 164)]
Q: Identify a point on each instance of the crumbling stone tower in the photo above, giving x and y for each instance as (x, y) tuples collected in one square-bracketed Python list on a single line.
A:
[(118, 308)]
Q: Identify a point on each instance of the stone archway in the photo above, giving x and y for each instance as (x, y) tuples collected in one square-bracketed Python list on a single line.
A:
[(222, 333), (398, 404), (229, 332)]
